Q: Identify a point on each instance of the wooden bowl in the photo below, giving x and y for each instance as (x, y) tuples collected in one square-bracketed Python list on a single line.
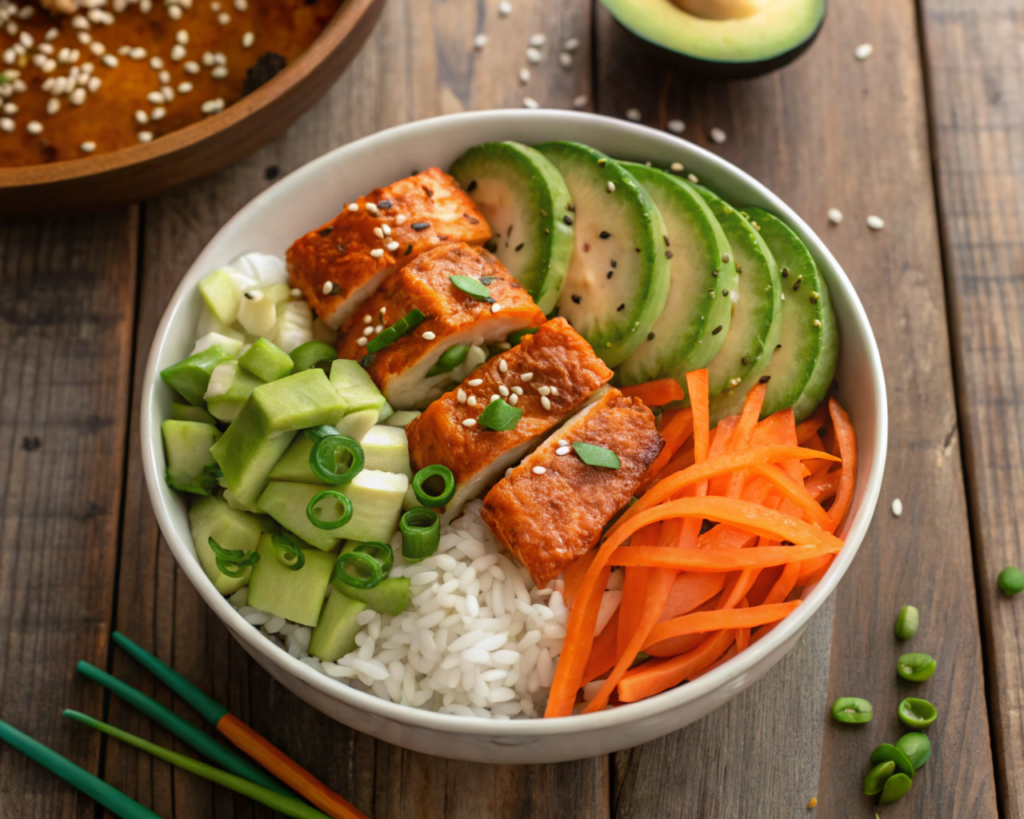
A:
[(131, 174)]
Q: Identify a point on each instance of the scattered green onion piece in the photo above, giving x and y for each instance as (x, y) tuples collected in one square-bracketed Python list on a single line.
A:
[(323, 459), (232, 562), (472, 287), (907, 622), (896, 787), (916, 748), (337, 523), (519, 335), (424, 475), (875, 780), (917, 713), (1011, 581), (391, 334), (421, 533), (312, 354), (500, 416), (915, 667), (323, 431), (288, 552), (449, 360), (593, 455), (373, 573), (381, 552), (852, 710)]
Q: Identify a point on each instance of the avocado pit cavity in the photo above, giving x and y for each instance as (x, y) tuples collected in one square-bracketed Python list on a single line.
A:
[(722, 9)]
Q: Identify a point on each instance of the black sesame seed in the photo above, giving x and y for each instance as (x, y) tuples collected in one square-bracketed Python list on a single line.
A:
[(471, 186), (744, 361), (326, 231), (725, 258), (567, 219), (636, 249), (778, 346), (418, 226), (739, 269), (576, 299), (471, 219), (725, 292), (620, 308), (441, 237), (31, 444), (785, 273), (271, 172), (384, 204), (602, 162), (547, 231), (717, 330), (796, 286), (614, 263), (764, 379), (250, 296), (509, 233), (491, 246), (667, 242), (408, 250), (650, 336), (714, 273), (570, 207), (814, 299), (605, 234), (611, 273), (520, 246), (488, 280), (668, 254)]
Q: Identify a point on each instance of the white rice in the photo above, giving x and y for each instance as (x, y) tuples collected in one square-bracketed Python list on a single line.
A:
[(478, 639)]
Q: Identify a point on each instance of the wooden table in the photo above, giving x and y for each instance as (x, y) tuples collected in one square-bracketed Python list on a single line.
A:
[(928, 133)]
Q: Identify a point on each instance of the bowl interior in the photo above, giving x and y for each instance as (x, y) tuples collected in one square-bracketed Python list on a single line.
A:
[(315, 193)]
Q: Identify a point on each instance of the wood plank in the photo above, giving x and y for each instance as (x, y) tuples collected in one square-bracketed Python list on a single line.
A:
[(67, 309), (829, 131), (419, 63), (976, 76)]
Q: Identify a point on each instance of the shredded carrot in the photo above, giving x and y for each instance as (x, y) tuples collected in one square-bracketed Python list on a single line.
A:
[(822, 487), (634, 589), (703, 621), (811, 571), (718, 560), (847, 440), (697, 383), (656, 393), (603, 654), (796, 493), (681, 461), (814, 422), (763, 585), (690, 591), (573, 575), (676, 432), (784, 585), (656, 676)]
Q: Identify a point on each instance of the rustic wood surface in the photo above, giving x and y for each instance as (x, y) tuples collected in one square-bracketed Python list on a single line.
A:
[(80, 551)]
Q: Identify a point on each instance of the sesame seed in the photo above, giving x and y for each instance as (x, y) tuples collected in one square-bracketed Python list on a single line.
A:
[(34, 127), (158, 113), (145, 136), (524, 75), (897, 507), (184, 87), (537, 40), (527, 377), (571, 44), (503, 366), (479, 41), (676, 167), (296, 293), (361, 342), (504, 8), (863, 51), (563, 450), (354, 207), (155, 97), (764, 379), (460, 396), (816, 323), (386, 229), (539, 470), (718, 136), (503, 391), (475, 382), (676, 126), (495, 308), (469, 422), (429, 335), (876, 222), (634, 115), (554, 391), (137, 53), (565, 59), (508, 472), (517, 390), (219, 72), (534, 56), (495, 397), (391, 246), (178, 53), (513, 399), (156, 63), (241, 5), (378, 232), (471, 400), (544, 390), (835, 216), (377, 252), (52, 106), (248, 39), (7, 125), (611, 187), (399, 220), (379, 328), (224, 18), (693, 178), (580, 101), (372, 208), (87, 147), (141, 117), (329, 288), (368, 331), (191, 67), (530, 102)]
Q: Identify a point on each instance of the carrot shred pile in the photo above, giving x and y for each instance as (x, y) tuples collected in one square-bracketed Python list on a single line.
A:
[(732, 526)]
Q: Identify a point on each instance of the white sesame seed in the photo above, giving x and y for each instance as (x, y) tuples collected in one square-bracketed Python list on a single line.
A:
[(634, 115), (181, 37), (361, 342), (174, 12), (460, 396), (184, 87), (693, 178), (7, 125), (191, 67), (379, 328), (533, 56), (565, 59), (563, 450), (156, 63), (554, 391), (87, 147), (544, 390), (479, 41), (495, 397), (530, 102), (354, 207), (429, 335), (367, 331), (391, 246), (241, 5), (524, 75), (503, 390), (52, 106), (208, 59), (503, 366), (545, 402), (676, 126), (296, 293), (94, 84), (527, 377), (178, 53), (517, 390), (513, 399), (897, 507), (876, 222), (155, 97), (816, 322), (496, 308), (84, 37), (377, 252), (158, 113), (248, 39), (504, 8), (367, 319), (378, 232), (611, 187), (471, 401), (219, 72), (10, 108), (580, 101), (141, 117), (224, 18), (145, 136), (563, 442), (110, 61), (469, 422), (475, 382), (863, 51), (372, 208), (400, 219), (835, 216), (137, 53), (78, 96), (718, 136), (386, 229), (539, 470), (537, 40), (571, 44), (508, 472), (52, 34)]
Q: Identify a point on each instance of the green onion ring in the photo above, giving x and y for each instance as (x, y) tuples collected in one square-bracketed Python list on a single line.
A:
[(228, 558), (366, 562), (323, 431), (337, 523), (381, 552), (421, 533), (425, 474), (323, 459), (288, 552)]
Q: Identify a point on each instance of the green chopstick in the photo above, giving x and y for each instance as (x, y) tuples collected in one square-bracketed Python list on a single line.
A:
[(288, 805), (92, 786), (182, 729)]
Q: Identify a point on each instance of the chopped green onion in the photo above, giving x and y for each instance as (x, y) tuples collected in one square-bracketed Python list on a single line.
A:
[(449, 360), (421, 532), (593, 455), (324, 461), (337, 523), (312, 354), (323, 431), (390, 335), (381, 552), (472, 287), (519, 335), (370, 569), (232, 561), (500, 416), (440, 498), (288, 552)]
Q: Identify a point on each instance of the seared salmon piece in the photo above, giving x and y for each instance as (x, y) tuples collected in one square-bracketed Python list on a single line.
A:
[(553, 507), (452, 317), (555, 363), (340, 264)]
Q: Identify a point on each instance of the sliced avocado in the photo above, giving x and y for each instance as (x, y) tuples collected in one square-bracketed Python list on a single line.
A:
[(335, 634), (294, 464), (756, 312), (286, 502), (723, 38), (191, 376), (298, 401), (523, 197), (354, 384), (186, 412), (808, 324), (402, 418), (221, 295), (247, 452), (618, 277), (266, 360), (190, 466), (229, 388), (294, 594), (390, 596), (683, 337), (239, 531), (356, 424), (386, 449)]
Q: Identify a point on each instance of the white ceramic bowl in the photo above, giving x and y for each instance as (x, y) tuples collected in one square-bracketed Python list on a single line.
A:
[(312, 195)]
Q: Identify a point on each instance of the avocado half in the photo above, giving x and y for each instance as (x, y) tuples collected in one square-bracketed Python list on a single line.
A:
[(774, 34)]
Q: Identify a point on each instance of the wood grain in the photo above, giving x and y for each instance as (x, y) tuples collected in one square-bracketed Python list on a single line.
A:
[(829, 131), (976, 76), (67, 304)]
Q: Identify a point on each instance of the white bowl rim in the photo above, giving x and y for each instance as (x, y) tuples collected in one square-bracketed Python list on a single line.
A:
[(533, 727)]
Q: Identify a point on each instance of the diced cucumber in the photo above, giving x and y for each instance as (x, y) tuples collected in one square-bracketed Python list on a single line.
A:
[(221, 295), (229, 388), (402, 418), (618, 277), (335, 634), (376, 505), (385, 412), (191, 376), (695, 321), (386, 449), (257, 314), (294, 464), (231, 344), (313, 354), (278, 292), (390, 596), (190, 466), (294, 325), (234, 503), (355, 386), (295, 595), (207, 323), (356, 424), (297, 401), (286, 502), (523, 197), (186, 412), (266, 360), (240, 531), (248, 451)]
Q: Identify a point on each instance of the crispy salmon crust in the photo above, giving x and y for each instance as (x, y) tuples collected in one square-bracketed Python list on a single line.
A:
[(547, 521), (421, 212), (452, 316), (556, 355)]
